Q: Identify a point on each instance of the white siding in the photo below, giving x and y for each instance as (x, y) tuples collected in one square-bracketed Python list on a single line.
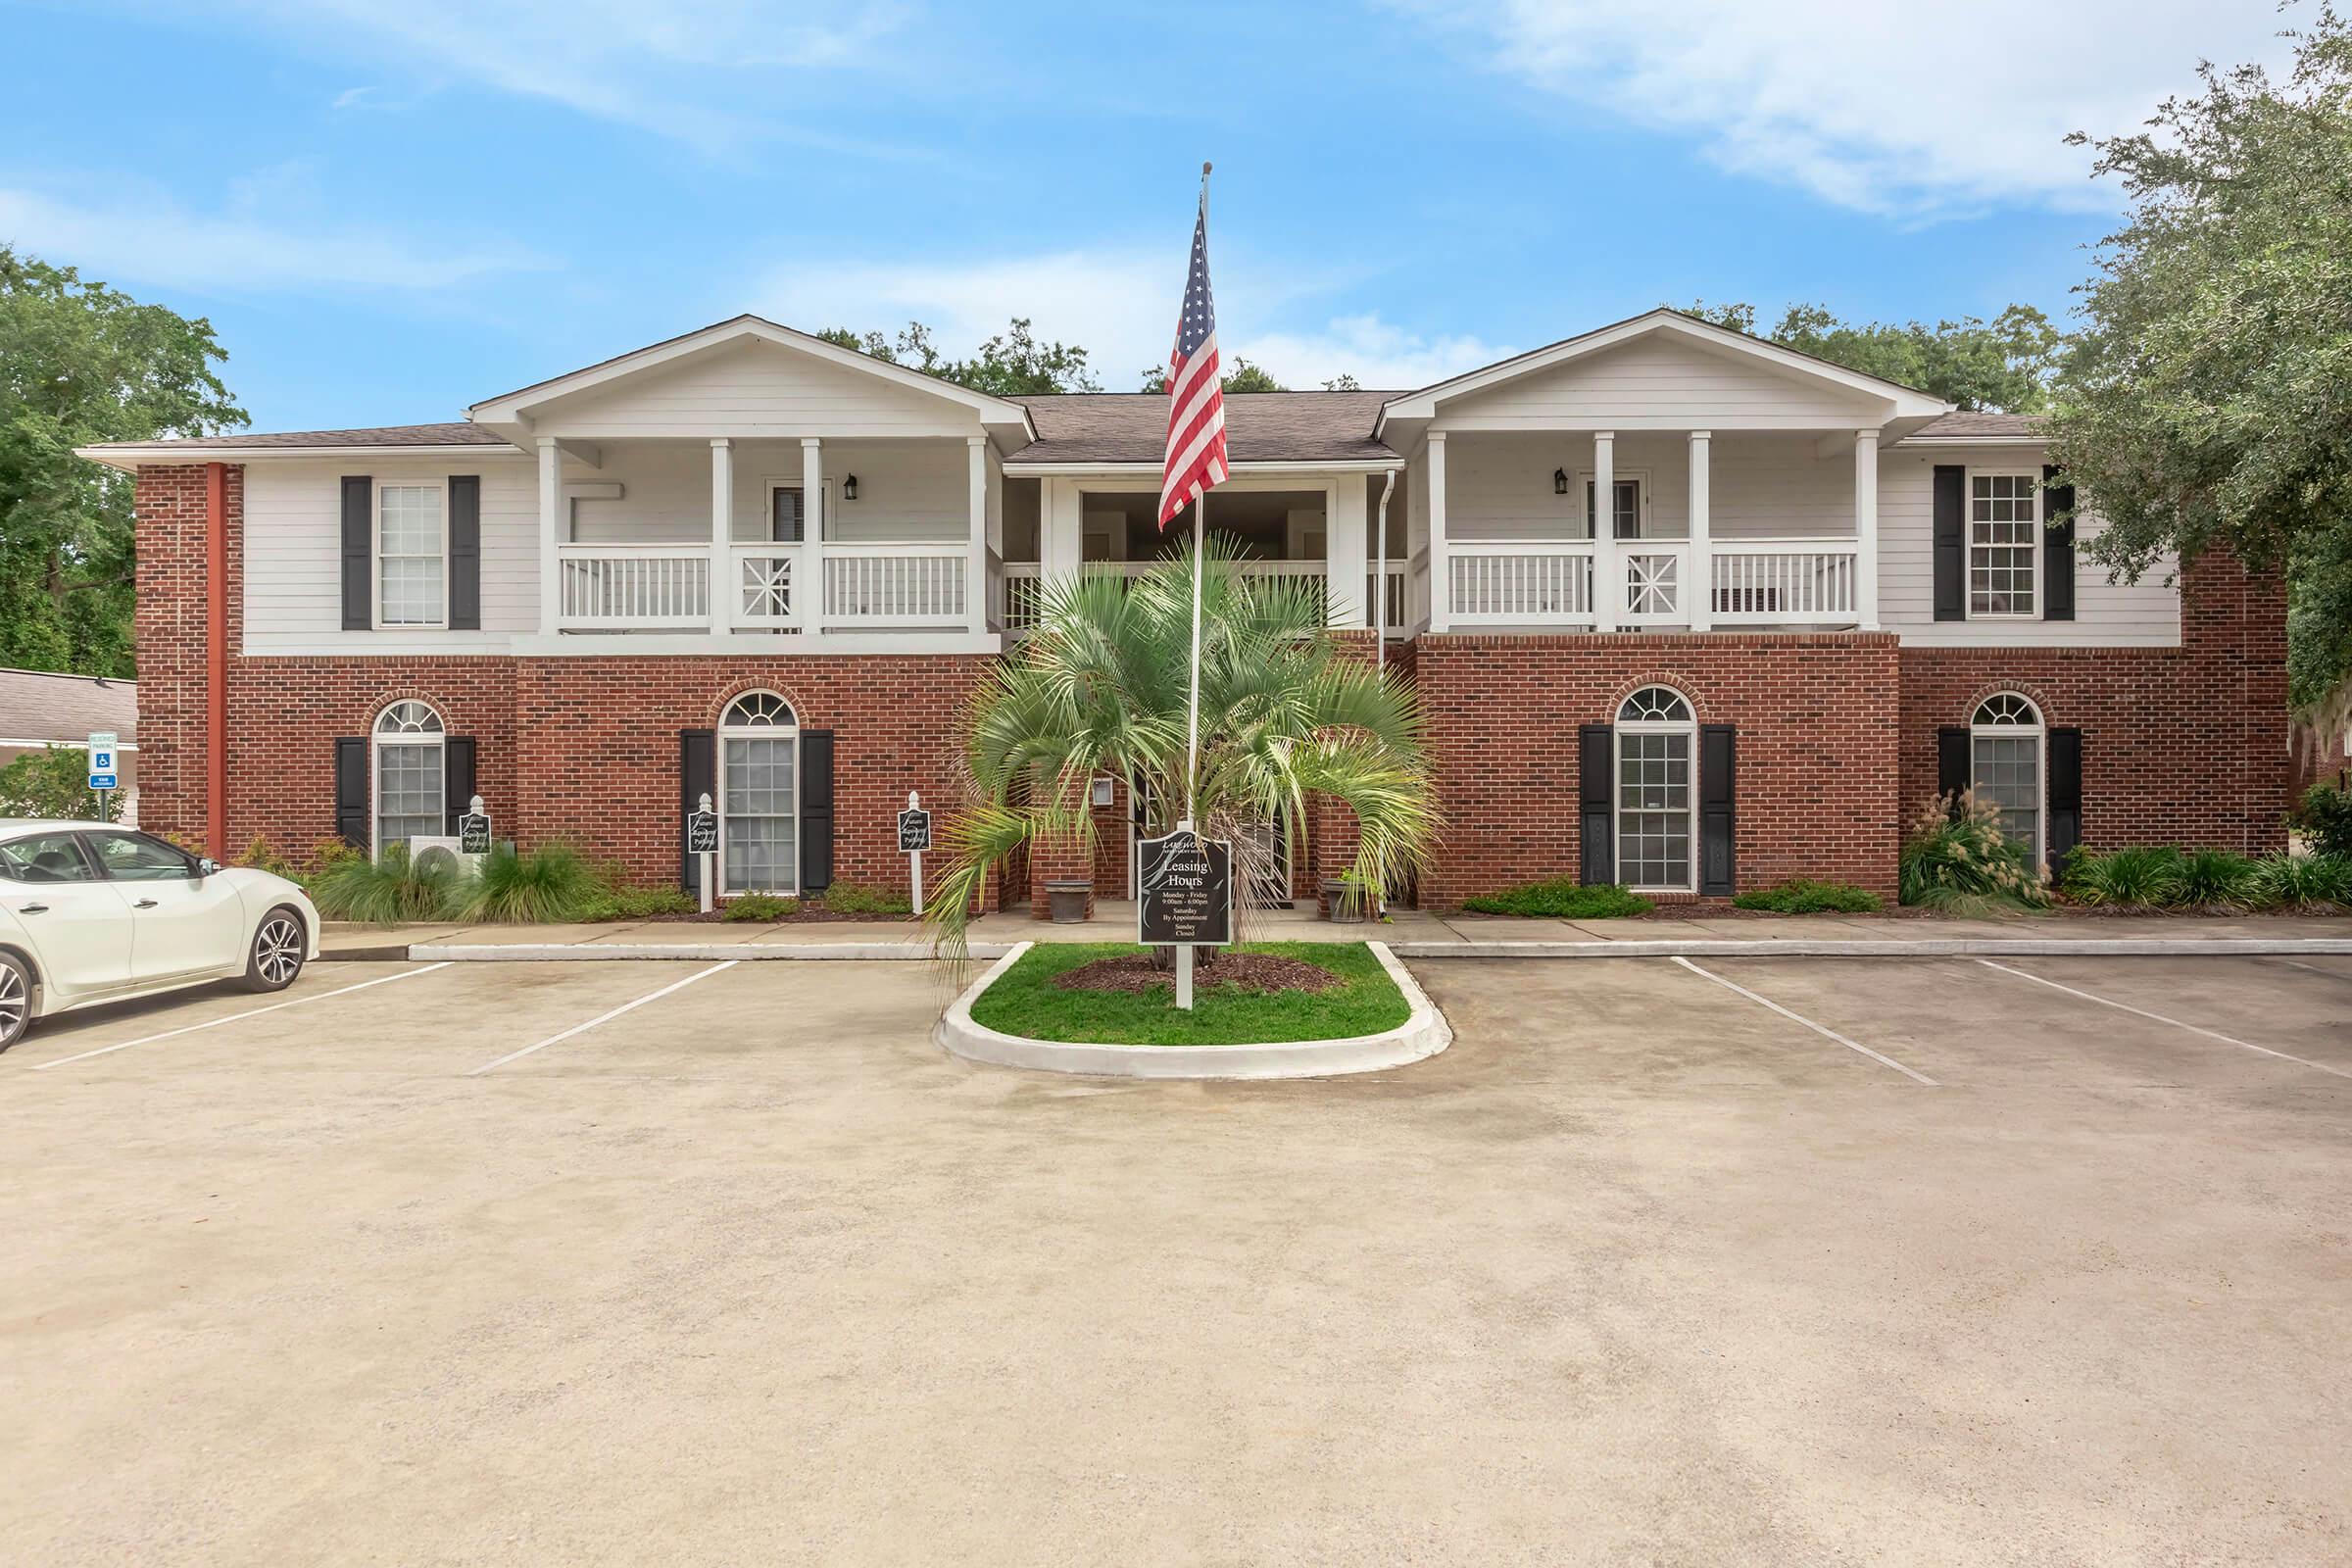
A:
[(753, 390), (294, 545), (2107, 615), (1658, 383), (1499, 487), (907, 490)]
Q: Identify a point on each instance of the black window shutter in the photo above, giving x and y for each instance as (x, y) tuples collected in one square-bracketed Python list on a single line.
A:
[(1952, 766), (465, 551), (2057, 550), (1595, 767), (351, 791), (2065, 796), (1718, 815), (457, 777), (1951, 542), (698, 776), (816, 810), (359, 547)]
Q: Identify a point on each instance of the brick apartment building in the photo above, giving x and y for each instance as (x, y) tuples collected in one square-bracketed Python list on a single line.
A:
[(1687, 609)]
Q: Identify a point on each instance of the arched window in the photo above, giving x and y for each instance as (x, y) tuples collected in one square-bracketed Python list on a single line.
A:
[(410, 774), (1657, 801), (2005, 767), (758, 810)]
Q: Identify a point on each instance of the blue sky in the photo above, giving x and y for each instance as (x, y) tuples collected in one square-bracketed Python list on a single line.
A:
[(392, 211)]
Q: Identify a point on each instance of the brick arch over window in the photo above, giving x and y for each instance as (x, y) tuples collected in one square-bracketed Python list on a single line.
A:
[(773, 683), (2032, 691), (1684, 686)]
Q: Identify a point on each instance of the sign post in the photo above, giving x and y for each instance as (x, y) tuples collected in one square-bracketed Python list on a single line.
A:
[(1183, 899), (102, 767), (701, 840), (474, 829), (914, 837)]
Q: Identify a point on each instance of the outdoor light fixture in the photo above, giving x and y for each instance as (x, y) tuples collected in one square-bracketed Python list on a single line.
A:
[(1559, 481), (848, 488)]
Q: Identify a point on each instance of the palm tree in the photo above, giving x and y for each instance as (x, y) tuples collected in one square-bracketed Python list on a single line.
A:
[(1099, 687)]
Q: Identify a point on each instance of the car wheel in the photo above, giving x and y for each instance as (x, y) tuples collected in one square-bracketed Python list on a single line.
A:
[(16, 999), (279, 946)]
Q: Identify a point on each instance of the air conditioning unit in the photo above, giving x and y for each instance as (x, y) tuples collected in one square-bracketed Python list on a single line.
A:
[(435, 849)]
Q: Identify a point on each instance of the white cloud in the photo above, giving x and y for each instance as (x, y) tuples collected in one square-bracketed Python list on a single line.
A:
[(146, 236), (1376, 352), (1912, 111)]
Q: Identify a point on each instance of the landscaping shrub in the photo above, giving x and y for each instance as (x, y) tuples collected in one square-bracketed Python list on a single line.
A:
[(1563, 898), (758, 907), (850, 898), (1801, 895), (2218, 879), (2304, 881), (262, 856), (2128, 878), (384, 891), (619, 901), (552, 883), (1955, 859), (2327, 816)]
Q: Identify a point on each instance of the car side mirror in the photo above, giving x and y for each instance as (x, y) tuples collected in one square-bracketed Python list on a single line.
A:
[(206, 867)]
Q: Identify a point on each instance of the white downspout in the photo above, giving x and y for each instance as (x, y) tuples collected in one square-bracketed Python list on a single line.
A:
[(1380, 581)]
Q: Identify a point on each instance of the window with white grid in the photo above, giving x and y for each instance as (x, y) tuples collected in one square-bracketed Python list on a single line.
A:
[(410, 797), (2004, 542), (2004, 767), (759, 746), (410, 575), (1656, 798)]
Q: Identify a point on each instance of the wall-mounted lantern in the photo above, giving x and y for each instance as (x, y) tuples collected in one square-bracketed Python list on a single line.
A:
[(848, 488), (1559, 481)]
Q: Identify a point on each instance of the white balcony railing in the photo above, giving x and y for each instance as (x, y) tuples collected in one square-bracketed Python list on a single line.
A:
[(1769, 581), (1750, 582), (1023, 578), (767, 587), (632, 587), (1520, 585), (895, 585)]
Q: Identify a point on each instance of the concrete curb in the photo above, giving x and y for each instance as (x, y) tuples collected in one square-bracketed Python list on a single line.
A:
[(1924, 948), (699, 951), (1424, 1033)]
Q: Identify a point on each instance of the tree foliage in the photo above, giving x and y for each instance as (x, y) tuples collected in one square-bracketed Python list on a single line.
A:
[(55, 783), (81, 362), (1013, 364), (2208, 401), (1244, 377), (2001, 366)]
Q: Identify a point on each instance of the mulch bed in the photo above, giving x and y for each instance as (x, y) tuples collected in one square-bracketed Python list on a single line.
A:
[(1133, 974), (803, 918)]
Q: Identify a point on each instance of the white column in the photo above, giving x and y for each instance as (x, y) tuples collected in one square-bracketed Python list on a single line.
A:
[(1608, 580), (1866, 528), (552, 533), (975, 583), (1441, 568), (1700, 589), (809, 585), (722, 533), (1060, 547), (1347, 553)]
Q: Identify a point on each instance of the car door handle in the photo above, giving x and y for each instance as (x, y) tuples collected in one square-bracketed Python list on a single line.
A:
[(144, 904), (32, 909)]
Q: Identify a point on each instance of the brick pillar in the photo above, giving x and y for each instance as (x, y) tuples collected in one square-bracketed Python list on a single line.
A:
[(1332, 842)]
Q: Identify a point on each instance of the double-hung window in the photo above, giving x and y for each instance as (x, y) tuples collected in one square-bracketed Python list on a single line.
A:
[(1626, 513), (412, 556), (2004, 543), (411, 795)]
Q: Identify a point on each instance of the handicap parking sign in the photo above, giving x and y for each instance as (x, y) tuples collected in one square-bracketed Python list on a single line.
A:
[(101, 759)]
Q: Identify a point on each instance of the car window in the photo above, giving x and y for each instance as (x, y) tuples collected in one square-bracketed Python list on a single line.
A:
[(45, 857), (136, 858)]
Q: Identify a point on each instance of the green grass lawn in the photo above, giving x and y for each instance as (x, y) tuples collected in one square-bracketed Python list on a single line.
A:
[(1027, 1002)]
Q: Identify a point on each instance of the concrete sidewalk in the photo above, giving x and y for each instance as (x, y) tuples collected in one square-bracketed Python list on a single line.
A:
[(1412, 933)]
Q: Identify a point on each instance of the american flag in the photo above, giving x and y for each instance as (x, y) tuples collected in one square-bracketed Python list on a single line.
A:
[(1195, 457)]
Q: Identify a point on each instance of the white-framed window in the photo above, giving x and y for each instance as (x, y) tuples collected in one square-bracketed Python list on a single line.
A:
[(759, 796), (1631, 511), (788, 521), (412, 796), (412, 556), (2006, 767), (2004, 544), (1657, 794)]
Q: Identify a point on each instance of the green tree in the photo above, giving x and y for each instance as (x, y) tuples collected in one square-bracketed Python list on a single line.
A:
[(2208, 400), (55, 783), (1100, 687), (2003, 364), (1244, 377), (81, 362), (1013, 364)]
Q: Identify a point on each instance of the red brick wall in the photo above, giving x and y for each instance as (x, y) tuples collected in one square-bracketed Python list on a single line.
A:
[(170, 627), (1816, 722)]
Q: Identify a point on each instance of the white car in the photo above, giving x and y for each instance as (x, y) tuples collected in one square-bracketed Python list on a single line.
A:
[(93, 912)]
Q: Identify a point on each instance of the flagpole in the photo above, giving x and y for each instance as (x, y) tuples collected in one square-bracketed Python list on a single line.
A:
[(1191, 710)]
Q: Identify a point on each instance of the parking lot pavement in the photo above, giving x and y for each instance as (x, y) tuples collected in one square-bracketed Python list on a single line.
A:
[(736, 1265)]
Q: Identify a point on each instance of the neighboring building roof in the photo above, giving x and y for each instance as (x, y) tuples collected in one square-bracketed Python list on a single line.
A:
[(37, 705), (1132, 428), (459, 433), (1981, 427)]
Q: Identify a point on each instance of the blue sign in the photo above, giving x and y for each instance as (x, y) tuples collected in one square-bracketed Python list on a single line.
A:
[(101, 759)]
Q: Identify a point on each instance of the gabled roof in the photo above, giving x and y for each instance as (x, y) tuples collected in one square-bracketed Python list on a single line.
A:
[(1131, 428), (39, 704), (507, 408), (1969, 427), (1909, 401)]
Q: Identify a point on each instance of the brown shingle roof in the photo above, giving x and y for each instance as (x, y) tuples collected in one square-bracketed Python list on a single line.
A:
[(458, 434), (40, 705), (1981, 427), (1260, 427)]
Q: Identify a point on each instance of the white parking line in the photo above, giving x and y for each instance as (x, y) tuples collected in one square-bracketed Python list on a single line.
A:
[(2143, 1013), (1798, 1017), (605, 1017), (251, 1012)]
